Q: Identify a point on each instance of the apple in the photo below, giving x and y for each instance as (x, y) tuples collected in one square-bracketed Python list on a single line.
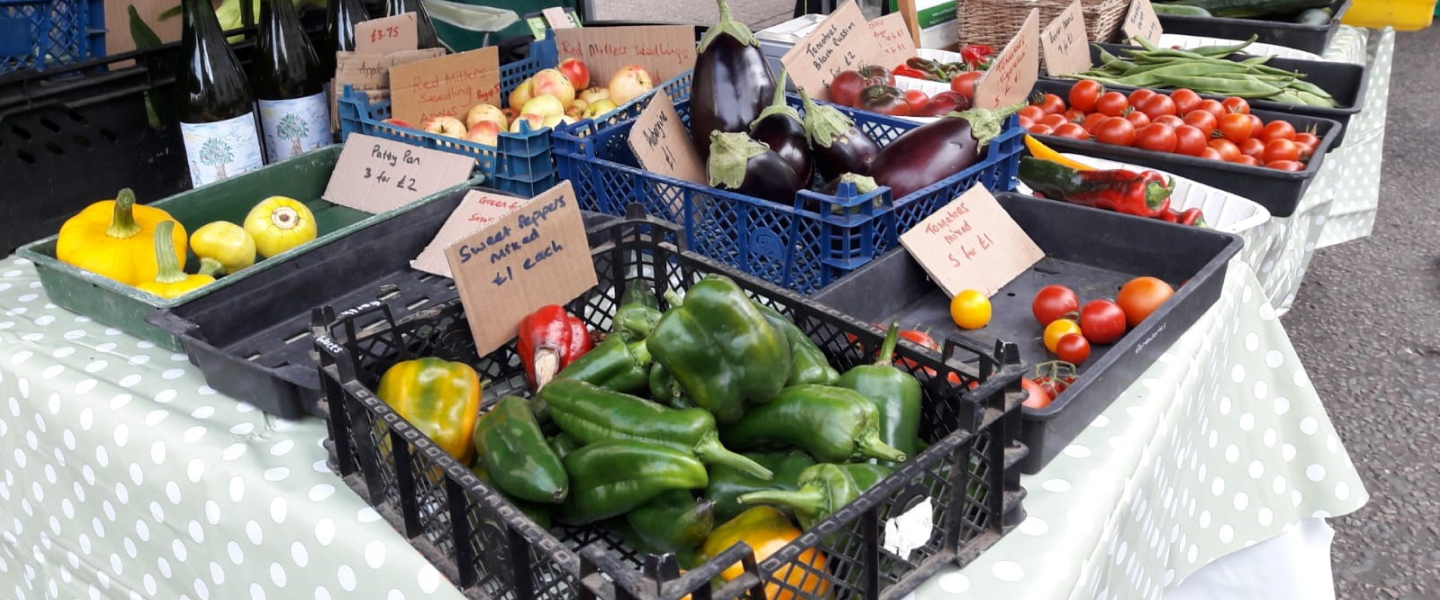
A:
[(552, 83), (629, 83), (544, 106), (594, 93), (444, 125), (486, 112), (522, 94), (510, 113), (399, 123), (485, 132), (552, 121), (576, 72), (534, 121), (576, 108), (598, 108)]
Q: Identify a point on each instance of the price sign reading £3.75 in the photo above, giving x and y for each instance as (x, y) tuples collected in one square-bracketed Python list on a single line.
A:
[(390, 34)]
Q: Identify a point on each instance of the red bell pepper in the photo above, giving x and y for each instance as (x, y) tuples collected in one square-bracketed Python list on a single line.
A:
[(549, 340), (976, 54), (1144, 194)]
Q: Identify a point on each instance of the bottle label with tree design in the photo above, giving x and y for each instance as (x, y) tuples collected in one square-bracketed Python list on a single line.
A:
[(294, 127), (221, 149)]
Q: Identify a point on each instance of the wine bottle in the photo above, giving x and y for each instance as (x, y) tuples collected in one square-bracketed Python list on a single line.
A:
[(217, 117), (340, 19), (289, 85), (424, 28)]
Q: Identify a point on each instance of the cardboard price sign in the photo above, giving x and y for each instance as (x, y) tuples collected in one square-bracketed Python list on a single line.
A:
[(534, 256), (376, 174), (383, 36), (1013, 73), (971, 244), (662, 144), (1140, 21), (557, 17), (663, 50), (479, 209), (446, 86), (896, 43), (842, 42), (1066, 46)]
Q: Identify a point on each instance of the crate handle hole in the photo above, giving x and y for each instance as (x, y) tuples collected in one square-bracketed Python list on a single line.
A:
[(81, 141), (55, 149), (51, 125), (109, 135), (22, 132), (25, 156)]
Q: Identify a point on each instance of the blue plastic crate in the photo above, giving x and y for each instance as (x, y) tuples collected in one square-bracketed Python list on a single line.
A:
[(803, 246), (522, 164), (38, 34)]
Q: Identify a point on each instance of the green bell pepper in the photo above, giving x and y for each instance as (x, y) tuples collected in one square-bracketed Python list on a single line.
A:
[(538, 513), (613, 477), (824, 488), (833, 424), (895, 394), (563, 443), (614, 364), (673, 521), (665, 390), (512, 448), (638, 313), (808, 364), (728, 484)]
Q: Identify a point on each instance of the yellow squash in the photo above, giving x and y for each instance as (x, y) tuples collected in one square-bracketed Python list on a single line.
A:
[(170, 282), (767, 530), (278, 224), (226, 243), (115, 238)]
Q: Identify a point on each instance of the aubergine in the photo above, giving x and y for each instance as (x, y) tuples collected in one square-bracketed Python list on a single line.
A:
[(837, 145), (743, 165), (936, 150), (780, 127), (863, 184), (731, 83)]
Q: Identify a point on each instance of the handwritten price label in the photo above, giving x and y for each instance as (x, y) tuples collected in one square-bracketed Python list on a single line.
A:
[(478, 209), (1141, 21), (663, 50), (390, 34), (1064, 42), (1014, 70), (843, 41), (661, 144), (376, 175), (893, 36), (971, 244)]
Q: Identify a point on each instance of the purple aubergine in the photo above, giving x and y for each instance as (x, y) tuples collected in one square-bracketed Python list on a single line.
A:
[(837, 145), (780, 127), (731, 83), (741, 164), (931, 152)]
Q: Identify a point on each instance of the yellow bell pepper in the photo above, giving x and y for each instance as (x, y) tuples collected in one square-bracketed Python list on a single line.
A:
[(115, 238), (278, 224), (170, 282), (1043, 152), (226, 243), (438, 397), (767, 530)]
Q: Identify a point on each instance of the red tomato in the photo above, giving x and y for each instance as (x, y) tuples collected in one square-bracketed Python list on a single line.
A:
[(1286, 165), (1115, 130), (1186, 100), (1190, 141), (1102, 321), (1138, 119), (1071, 130), (1112, 104), (1053, 302), (1140, 95), (1213, 107), (1236, 105), (1307, 139), (1276, 130), (1155, 137), (1084, 94), (1157, 105), (1074, 116), (1279, 150), (1246, 160), (1041, 129), (1025, 123), (1052, 104), (1211, 153), (964, 83), (845, 88), (1256, 125), (1092, 121), (1141, 296), (1236, 127), (1032, 112), (1170, 121), (1202, 120), (1252, 147), (1038, 398), (1053, 120), (1073, 348), (916, 99), (1227, 149)]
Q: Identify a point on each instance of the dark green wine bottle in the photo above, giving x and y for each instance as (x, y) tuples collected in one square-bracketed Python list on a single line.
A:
[(289, 85), (424, 28), (216, 110), (340, 19)]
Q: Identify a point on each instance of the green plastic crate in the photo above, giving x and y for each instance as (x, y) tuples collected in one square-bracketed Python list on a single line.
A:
[(123, 307)]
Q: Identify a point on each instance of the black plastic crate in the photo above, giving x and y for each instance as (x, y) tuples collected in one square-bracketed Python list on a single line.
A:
[(1346, 82), (1310, 38), (490, 550), (254, 344), (1091, 251), (1278, 191)]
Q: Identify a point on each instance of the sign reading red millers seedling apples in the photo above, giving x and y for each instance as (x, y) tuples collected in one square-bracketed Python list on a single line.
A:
[(664, 51), (533, 256), (1013, 72), (445, 86), (971, 244)]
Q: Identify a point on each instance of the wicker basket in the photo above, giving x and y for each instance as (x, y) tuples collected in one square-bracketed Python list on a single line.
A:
[(994, 22)]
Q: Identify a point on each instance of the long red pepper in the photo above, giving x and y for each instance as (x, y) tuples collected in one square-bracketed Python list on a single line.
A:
[(549, 340)]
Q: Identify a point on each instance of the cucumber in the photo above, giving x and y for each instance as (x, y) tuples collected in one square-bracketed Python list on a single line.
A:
[(1313, 16), (1253, 8), (1180, 9)]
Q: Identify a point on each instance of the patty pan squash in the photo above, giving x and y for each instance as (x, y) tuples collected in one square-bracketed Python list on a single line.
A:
[(171, 282), (115, 239), (226, 243), (278, 224)]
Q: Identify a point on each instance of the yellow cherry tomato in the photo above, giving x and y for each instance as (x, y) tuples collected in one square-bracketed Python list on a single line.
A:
[(970, 309), (1058, 329)]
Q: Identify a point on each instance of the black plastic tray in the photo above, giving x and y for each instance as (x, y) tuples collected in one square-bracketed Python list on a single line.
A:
[(1278, 191), (1310, 38), (1346, 82), (969, 473), (1091, 251), (254, 344)]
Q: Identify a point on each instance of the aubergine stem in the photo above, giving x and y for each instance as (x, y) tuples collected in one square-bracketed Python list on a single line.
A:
[(728, 26), (730, 153), (778, 105), (986, 123), (824, 124), (863, 184)]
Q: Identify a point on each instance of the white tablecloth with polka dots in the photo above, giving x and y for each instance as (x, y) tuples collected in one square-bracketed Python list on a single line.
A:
[(124, 476), (1222, 444)]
